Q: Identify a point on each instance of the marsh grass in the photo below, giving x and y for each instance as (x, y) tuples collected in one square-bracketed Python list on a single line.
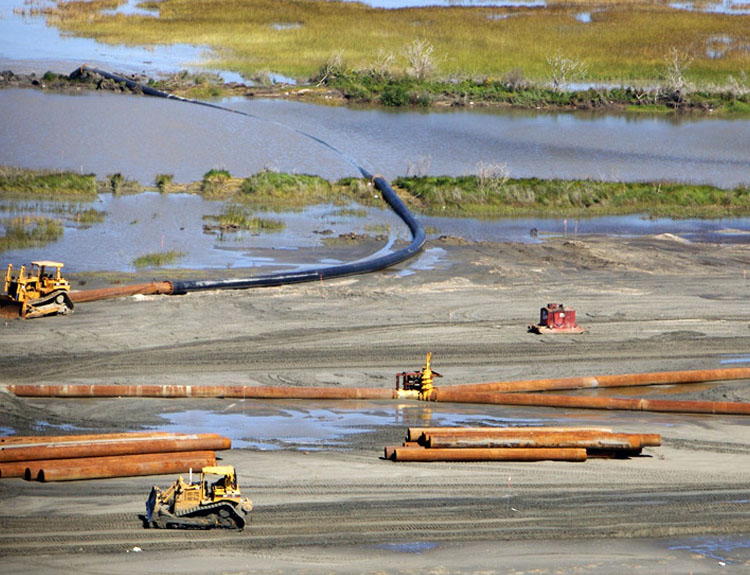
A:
[(279, 189), (350, 213), (624, 42), (464, 196), (158, 259), (20, 183), (118, 185), (29, 231), (236, 218)]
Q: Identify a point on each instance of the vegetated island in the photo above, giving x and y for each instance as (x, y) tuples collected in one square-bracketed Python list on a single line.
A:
[(355, 88), (488, 194), (638, 55)]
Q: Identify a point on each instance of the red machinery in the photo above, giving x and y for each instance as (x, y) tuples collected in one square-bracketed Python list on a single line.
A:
[(556, 318)]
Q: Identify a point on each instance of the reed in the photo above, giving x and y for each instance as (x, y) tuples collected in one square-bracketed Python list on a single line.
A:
[(158, 259), (19, 183), (28, 232), (236, 218), (469, 196)]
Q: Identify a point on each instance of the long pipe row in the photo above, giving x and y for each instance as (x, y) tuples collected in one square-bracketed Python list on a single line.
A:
[(619, 380), (199, 391), (574, 401)]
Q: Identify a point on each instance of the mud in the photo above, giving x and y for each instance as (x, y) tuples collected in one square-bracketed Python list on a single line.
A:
[(325, 500)]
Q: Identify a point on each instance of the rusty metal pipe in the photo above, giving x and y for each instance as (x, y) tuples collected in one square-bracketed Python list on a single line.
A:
[(13, 469), (34, 439), (489, 454), (636, 439), (200, 391), (416, 433), (599, 441), (621, 403), (120, 466), (153, 288), (619, 380), (114, 447)]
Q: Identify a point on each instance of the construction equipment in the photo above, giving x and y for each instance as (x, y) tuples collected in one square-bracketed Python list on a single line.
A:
[(556, 318), (37, 293), (199, 505), (416, 383)]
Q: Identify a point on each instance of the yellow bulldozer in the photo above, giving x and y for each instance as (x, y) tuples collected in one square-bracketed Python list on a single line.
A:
[(203, 504), (35, 293)]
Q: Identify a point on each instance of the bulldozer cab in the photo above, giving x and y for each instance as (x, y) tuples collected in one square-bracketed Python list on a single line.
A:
[(225, 487)]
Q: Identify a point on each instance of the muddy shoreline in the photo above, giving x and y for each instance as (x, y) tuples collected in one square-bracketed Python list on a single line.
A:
[(648, 304), (206, 86)]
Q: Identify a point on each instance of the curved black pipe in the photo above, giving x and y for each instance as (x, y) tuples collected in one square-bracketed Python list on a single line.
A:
[(375, 264)]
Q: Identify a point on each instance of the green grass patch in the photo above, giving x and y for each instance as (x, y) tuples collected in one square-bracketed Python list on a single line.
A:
[(158, 259), (236, 218), (118, 185), (492, 197), (20, 183), (29, 231), (277, 189), (89, 216)]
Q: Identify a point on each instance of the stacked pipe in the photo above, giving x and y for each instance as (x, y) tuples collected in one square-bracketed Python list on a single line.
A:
[(518, 444), (65, 458)]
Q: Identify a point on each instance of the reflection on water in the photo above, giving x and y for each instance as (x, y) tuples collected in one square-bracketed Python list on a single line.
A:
[(142, 137), (146, 223), (720, 548), (317, 425), (26, 43)]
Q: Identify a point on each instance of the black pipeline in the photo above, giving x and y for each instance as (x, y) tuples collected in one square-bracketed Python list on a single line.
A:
[(317, 274)]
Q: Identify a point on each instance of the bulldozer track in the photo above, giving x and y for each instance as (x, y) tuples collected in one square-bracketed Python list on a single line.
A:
[(244, 354), (533, 514)]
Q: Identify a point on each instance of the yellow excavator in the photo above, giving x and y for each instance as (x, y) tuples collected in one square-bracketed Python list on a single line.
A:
[(35, 293), (199, 505)]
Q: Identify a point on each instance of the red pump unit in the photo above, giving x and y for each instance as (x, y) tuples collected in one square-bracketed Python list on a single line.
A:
[(556, 318)]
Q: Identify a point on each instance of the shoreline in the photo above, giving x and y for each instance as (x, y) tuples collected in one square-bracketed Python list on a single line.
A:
[(438, 95)]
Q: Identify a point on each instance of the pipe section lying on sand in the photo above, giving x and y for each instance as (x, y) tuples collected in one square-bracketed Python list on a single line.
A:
[(417, 433), (200, 391), (593, 440), (156, 288), (513, 454), (113, 447), (120, 466), (621, 380), (37, 439), (622, 403)]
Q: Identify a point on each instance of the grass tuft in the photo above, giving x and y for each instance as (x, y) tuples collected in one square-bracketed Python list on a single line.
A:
[(28, 232), (158, 259)]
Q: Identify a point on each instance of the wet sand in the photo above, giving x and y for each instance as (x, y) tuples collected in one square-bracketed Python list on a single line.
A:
[(648, 304)]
